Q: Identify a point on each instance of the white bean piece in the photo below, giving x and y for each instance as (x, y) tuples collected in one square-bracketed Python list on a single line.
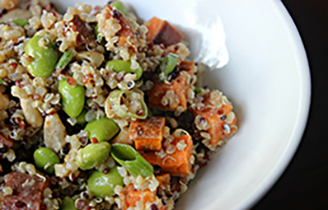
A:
[(54, 132), (95, 58), (123, 137), (15, 14), (32, 115)]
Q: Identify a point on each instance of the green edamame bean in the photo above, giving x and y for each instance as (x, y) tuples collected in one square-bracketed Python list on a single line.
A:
[(45, 159), (102, 185), (44, 57), (102, 129), (68, 204), (72, 98), (120, 7), (81, 118), (93, 155), (121, 65)]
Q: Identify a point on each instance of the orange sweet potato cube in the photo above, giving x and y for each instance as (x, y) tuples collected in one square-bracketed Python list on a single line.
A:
[(180, 86), (214, 118), (126, 35), (130, 196), (175, 157), (161, 32), (164, 179), (147, 134)]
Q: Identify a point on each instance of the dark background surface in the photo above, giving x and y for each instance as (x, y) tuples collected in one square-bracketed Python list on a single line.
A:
[(304, 184)]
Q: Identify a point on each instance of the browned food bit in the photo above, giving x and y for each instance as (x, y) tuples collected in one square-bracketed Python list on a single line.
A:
[(126, 35), (169, 97), (215, 118), (161, 32), (6, 141), (164, 180), (175, 157), (147, 134), (86, 34), (187, 66), (27, 192), (1, 170)]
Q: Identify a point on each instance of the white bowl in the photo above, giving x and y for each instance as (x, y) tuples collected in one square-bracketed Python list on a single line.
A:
[(267, 79)]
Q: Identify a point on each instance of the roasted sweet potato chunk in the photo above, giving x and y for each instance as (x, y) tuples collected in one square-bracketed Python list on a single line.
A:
[(164, 179), (126, 35), (27, 192), (175, 157), (221, 120), (147, 134), (130, 196), (187, 66), (178, 88), (161, 32)]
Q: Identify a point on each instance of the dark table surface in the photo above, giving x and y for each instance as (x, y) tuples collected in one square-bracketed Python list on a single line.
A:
[(304, 184)]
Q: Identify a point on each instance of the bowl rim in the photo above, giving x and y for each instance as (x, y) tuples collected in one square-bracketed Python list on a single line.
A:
[(303, 110)]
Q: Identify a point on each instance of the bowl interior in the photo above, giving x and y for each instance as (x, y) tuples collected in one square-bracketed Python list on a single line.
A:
[(267, 79)]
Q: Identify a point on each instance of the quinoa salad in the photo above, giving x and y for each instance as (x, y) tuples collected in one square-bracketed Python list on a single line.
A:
[(100, 110)]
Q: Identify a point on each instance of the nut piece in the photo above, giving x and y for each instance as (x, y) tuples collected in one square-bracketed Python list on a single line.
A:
[(95, 58), (14, 14), (54, 132), (32, 115), (123, 137)]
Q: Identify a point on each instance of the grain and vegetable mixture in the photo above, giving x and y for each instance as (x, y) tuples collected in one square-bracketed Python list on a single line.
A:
[(99, 110)]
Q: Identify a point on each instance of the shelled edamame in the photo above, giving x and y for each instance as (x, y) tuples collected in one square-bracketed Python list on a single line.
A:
[(43, 58), (81, 118), (45, 159), (102, 129), (73, 97), (102, 185), (92, 155), (68, 204)]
